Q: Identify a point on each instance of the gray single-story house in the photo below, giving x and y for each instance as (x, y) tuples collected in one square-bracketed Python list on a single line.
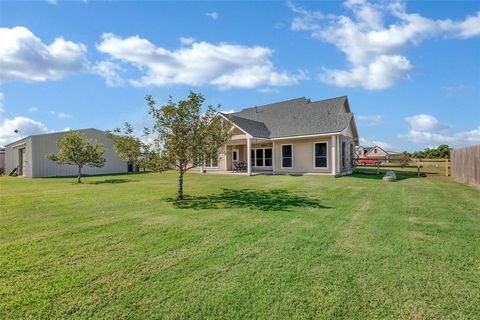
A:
[(296, 136), (26, 157)]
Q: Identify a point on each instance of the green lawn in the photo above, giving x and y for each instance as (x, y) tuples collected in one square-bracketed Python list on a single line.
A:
[(239, 247)]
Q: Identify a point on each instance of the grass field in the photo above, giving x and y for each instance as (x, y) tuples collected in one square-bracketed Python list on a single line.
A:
[(239, 247)]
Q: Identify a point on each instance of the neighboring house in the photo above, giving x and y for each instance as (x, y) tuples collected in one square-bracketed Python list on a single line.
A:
[(291, 137), (2, 161), (27, 156), (361, 151), (375, 152)]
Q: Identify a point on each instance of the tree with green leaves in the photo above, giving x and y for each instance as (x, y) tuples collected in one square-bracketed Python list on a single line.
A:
[(75, 149), (442, 151), (183, 136), (128, 146), (404, 159)]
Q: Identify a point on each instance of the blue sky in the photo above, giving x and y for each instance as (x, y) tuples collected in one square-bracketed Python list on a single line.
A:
[(411, 70)]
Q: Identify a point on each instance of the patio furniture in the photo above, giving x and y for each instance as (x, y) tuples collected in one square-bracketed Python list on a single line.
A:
[(236, 166), (243, 166)]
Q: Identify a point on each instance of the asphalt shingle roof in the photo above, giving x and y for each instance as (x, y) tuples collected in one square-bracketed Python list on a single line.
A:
[(294, 118)]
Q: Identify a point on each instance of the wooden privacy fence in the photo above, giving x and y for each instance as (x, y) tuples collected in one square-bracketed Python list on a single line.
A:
[(416, 166), (466, 164)]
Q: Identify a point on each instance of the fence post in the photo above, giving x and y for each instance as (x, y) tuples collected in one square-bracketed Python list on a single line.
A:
[(446, 166), (378, 168)]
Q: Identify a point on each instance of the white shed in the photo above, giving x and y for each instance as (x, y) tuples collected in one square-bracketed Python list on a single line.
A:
[(28, 156)]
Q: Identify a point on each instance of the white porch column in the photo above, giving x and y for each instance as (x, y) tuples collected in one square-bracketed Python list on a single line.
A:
[(273, 157), (334, 155), (225, 155), (249, 156)]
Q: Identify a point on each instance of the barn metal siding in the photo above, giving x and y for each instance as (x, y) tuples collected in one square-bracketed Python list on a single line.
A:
[(11, 156), (41, 145), (2, 159)]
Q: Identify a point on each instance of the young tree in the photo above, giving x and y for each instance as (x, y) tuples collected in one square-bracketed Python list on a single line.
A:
[(184, 136), (127, 145), (404, 159), (75, 149)]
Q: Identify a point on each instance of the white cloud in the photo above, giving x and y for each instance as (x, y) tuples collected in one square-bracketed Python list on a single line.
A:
[(370, 143), (228, 111), (308, 20), (372, 120), (373, 48), (427, 137), (61, 115), (426, 129), (425, 122), (187, 40), (110, 72), (23, 126), (269, 90), (379, 74), (24, 57), (224, 65), (33, 109), (214, 15), (2, 100), (455, 90)]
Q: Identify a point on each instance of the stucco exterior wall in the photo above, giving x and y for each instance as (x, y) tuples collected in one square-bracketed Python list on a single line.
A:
[(225, 162), (303, 156), (346, 165), (222, 164)]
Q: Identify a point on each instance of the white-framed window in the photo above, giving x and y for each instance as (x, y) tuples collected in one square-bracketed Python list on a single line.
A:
[(268, 157), (320, 155), (261, 157), (235, 155), (287, 155), (212, 162)]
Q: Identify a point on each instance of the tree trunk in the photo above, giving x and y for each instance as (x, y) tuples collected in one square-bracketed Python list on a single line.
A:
[(79, 176), (180, 186)]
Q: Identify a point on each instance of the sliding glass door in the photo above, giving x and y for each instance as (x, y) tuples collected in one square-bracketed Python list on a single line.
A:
[(261, 157)]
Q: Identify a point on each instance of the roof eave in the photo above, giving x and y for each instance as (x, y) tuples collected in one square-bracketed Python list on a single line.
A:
[(313, 135), (236, 125)]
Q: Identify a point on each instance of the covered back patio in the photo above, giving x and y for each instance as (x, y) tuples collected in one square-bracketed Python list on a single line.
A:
[(245, 154)]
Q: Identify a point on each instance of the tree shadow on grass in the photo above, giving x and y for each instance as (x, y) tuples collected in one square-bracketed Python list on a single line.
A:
[(264, 200), (112, 181)]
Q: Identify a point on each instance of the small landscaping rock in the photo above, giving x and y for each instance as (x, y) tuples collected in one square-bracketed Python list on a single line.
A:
[(390, 176)]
